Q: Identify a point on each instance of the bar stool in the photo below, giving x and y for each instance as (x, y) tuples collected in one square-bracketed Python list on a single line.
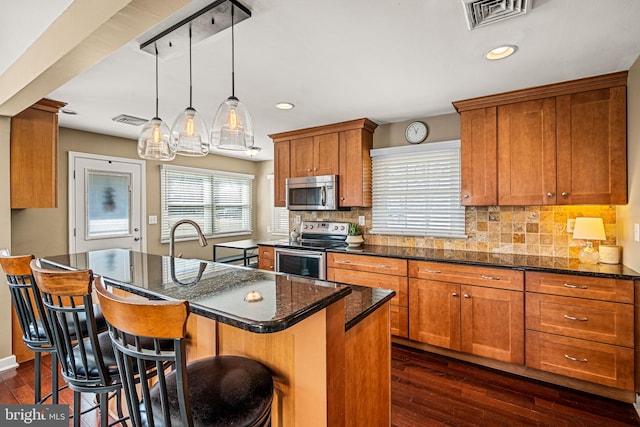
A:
[(36, 333), (87, 361), (213, 391)]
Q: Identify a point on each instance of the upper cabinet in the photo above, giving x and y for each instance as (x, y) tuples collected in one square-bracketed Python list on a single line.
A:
[(558, 144), (34, 156), (314, 155), (339, 149)]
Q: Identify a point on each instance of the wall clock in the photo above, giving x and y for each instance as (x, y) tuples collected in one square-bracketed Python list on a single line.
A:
[(416, 132)]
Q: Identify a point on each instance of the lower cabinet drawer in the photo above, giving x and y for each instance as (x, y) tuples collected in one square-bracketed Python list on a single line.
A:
[(399, 321), (372, 280), (604, 364), (602, 321)]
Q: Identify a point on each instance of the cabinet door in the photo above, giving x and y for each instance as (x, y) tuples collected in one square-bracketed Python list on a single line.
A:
[(479, 159), (493, 323), (527, 153), (281, 171), (592, 147), (34, 156), (355, 168), (434, 313), (265, 258), (302, 157), (325, 154)]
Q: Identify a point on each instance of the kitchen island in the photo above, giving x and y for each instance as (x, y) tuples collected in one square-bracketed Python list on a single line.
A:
[(328, 345)]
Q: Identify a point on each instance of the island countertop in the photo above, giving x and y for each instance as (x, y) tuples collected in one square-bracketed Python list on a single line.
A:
[(218, 291)]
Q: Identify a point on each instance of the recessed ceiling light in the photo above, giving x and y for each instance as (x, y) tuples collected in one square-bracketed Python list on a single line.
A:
[(284, 106), (501, 52)]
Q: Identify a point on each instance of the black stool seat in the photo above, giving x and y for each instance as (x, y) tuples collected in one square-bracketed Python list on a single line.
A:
[(223, 390), (209, 392)]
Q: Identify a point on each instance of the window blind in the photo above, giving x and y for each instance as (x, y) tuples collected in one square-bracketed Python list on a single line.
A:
[(279, 215), (220, 202), (416, 190)]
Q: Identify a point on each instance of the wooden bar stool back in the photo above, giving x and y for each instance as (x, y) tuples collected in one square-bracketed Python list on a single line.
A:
[(36, 333), (213, 391), (88, 362)]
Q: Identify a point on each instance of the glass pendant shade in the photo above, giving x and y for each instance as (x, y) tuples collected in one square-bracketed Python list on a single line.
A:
[(189, 134), (232, 126), (154, 142)]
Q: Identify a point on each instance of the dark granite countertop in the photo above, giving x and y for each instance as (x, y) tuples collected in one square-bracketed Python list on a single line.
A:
[(489, 259), (217, 291)]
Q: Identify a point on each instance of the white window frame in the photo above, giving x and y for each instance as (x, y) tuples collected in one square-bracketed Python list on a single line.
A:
[(211, 179), (416, 190)]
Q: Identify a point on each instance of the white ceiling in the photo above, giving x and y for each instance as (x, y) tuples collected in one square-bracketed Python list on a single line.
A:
[(336, 60)]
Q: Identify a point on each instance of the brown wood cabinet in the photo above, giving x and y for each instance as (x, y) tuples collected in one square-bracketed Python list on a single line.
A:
[(313, 156), (355, 167), (266, 258), (375, 272), (338, 149), (281, 171), (478, 151), (581, 327), (448, 310), (34, 156), (557, 144)]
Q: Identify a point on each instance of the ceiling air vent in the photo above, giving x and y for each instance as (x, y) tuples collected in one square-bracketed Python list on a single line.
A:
[(129, 120), (485, 12)]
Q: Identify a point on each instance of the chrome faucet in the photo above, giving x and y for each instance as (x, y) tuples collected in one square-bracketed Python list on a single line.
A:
[(201, 238)]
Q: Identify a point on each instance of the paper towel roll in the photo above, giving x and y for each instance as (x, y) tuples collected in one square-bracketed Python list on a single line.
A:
[(609, 254)]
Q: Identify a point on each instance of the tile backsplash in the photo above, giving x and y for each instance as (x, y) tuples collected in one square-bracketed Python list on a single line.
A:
[(530, 230)]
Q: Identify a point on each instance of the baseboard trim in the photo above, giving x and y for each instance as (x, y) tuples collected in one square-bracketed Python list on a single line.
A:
[(8, 363)]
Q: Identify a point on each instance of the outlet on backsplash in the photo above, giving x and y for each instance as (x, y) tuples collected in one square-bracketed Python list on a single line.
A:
[(531, 230)]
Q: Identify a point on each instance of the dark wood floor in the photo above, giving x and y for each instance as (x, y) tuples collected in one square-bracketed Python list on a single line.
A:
[(433, 390), (430, 390)]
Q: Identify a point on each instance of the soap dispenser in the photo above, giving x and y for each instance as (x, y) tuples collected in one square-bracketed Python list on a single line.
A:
[(294, 235)]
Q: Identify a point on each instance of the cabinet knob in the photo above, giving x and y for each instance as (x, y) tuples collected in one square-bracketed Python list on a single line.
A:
[(309, 170), (466, 295), (455, 294), (315, 169), (466, 196), (549, 194), (565, 194), (342, 198)]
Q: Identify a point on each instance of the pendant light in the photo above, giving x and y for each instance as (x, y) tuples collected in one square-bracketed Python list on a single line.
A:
[(189, 133), (232, 127), (154, 142)]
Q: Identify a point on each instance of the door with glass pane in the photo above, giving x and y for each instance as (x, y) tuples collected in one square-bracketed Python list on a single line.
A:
[(106, 207)]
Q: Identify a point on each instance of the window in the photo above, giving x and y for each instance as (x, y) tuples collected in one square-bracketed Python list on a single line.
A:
[(416, 190), (220, 202), (279, 216)]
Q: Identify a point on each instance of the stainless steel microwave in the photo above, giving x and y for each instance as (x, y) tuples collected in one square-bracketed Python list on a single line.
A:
[(312, 193)]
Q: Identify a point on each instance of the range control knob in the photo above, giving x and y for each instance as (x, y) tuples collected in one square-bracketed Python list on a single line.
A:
[(342, 227)]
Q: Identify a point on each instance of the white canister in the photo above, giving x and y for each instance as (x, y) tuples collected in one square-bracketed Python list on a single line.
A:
[(609, 254)]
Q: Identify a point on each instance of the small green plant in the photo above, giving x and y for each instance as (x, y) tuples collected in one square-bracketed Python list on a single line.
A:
[(354, 229)]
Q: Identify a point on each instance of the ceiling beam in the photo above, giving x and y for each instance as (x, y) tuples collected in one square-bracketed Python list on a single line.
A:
[(83, 35)]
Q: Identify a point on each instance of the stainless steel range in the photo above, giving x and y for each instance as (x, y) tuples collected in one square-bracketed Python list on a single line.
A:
[(308, 256)]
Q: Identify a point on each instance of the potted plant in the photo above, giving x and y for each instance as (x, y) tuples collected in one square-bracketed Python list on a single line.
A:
[(354, 236)]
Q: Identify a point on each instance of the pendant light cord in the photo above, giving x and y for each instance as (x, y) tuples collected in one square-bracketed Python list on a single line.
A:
[(233, 58), (156, 46), (190, 72)]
